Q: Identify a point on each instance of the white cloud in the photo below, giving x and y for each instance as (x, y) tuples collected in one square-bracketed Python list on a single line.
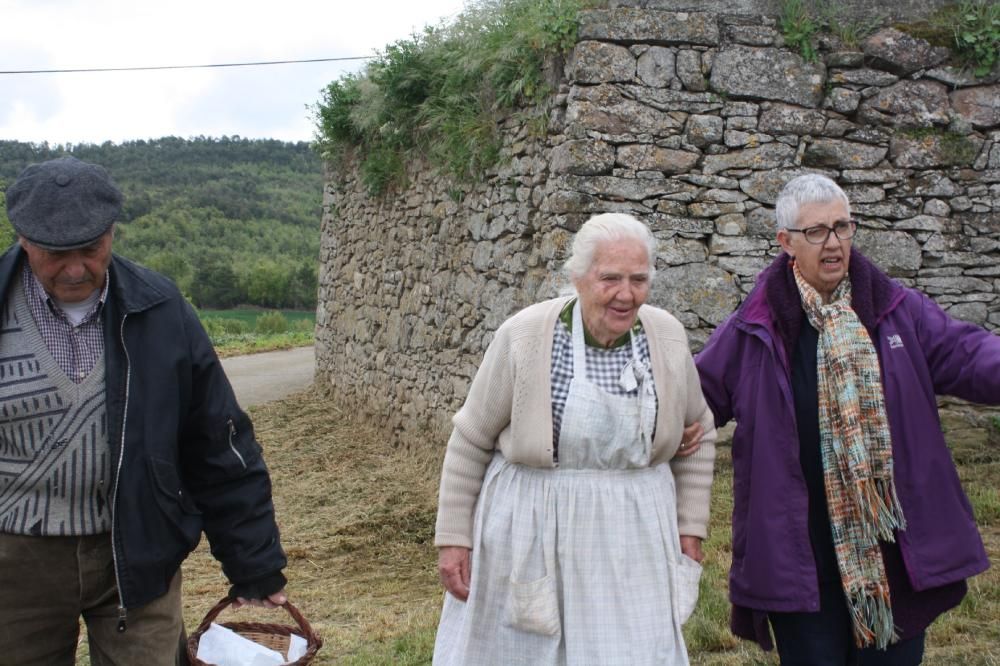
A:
[(248, 101)]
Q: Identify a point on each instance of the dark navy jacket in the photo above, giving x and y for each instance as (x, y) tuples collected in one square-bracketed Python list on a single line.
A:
[(184, 456), (745, 375)]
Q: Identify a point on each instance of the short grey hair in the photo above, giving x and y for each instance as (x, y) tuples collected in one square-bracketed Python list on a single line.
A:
[(603, 228), (806, 189)]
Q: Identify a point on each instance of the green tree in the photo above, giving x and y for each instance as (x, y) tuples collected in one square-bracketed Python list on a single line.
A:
[(214, 284), (248, 201), (7, 235), (267, 284), (174, 266)]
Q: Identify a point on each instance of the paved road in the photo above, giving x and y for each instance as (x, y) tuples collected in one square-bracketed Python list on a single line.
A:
[(259, 378)]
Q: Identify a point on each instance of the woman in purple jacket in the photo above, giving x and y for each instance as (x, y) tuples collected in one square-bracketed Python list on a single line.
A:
[(851, 532)]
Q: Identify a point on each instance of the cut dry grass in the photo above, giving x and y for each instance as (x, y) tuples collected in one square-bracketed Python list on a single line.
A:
[(357, 520)]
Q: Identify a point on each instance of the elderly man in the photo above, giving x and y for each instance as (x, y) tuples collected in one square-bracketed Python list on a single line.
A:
[(120, 440)]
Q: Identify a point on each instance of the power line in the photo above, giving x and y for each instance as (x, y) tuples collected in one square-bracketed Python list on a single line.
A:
[(161, 67)]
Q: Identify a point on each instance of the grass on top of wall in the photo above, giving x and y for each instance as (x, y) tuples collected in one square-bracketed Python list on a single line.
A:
[(439, 93)]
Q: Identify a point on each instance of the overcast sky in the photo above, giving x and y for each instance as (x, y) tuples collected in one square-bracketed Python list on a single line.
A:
[(254, 102)]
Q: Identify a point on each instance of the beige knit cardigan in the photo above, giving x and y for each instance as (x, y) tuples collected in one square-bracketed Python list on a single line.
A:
[(510, 405)]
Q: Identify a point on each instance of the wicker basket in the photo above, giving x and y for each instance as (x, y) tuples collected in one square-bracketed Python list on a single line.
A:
[(273, 636)]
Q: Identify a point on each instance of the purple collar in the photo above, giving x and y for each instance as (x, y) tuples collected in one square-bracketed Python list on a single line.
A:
[(775, 304)]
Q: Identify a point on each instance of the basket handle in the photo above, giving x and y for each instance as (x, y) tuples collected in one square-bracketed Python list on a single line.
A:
[(306, 629)]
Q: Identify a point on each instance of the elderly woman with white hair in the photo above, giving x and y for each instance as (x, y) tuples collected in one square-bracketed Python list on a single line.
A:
[(851, 532), (570, 521)]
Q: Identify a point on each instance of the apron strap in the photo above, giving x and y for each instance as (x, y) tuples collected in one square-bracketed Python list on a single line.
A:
[(579, 345)]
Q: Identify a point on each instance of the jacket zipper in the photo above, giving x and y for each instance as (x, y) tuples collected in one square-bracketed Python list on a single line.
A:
[(122, 611), (232, 433)]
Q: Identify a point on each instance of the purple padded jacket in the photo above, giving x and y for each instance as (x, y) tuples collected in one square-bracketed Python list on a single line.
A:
[(745, 375)]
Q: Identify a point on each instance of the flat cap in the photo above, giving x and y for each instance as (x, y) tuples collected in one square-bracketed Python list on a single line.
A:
[(63, 204)]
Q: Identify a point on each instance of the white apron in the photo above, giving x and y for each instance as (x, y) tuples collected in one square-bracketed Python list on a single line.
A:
[(580, 564)]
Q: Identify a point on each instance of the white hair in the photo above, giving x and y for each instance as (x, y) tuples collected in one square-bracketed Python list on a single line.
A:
[(604, 228), (802, 190)]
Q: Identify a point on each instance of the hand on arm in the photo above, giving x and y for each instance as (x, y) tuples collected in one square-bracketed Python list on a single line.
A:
[(691, 439), (454, 566)]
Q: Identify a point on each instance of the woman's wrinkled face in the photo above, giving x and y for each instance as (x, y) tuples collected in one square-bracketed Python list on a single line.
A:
[(614, 287), (823, 266)]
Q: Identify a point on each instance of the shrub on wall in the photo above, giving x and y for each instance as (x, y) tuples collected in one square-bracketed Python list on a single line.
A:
[(438, 93)]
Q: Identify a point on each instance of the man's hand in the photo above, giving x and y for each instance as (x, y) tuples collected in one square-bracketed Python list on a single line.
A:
[(691, 546), (455, 568), (691, 439), (273, 601)]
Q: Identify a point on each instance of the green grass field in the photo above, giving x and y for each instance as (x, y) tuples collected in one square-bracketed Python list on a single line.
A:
[(252, 330), (249, 315)]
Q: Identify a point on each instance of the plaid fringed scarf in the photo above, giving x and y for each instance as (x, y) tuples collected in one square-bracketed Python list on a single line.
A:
[(857, 458)]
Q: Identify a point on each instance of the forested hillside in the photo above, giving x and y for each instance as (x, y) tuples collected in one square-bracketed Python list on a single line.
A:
[(231, 220)]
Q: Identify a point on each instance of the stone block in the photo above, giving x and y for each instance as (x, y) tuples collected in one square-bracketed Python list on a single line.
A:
[(980, 105), (633, 25), (634, 189), (937, 207), (676, 224), (737, 245), (787, 119), (689, 70), (764, 186), (654, 158), (909, 104), (751, 35), (841, 154), (916, 151), (582, 157), (713, 209), (768, 156), (842, 100), (733, 224), (656, 67), (975, 313), (603, 109), (896, 252), (863, 77), (864, 194), (900, 53), (601, 62), (707, 291), (766, 73), (675, 251), (702, 130)]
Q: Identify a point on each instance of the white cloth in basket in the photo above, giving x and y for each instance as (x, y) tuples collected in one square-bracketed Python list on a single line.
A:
[(224, 647)]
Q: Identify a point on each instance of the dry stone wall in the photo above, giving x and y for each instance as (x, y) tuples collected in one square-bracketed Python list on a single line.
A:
[(692, 121)]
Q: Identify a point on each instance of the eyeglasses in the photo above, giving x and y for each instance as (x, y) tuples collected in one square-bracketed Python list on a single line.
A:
[(818, 234)]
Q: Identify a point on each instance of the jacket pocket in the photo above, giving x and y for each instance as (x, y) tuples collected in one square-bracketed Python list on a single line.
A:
[(174, 501), (534, 606), (242, 447), (688, 579)]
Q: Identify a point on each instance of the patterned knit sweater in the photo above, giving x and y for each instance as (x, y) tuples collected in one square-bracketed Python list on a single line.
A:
[(509, 406), (55, 466)]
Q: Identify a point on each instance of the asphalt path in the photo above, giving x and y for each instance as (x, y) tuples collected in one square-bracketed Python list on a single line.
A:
[(259, 378)]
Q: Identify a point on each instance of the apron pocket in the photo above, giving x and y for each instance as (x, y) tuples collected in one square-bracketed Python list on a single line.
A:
[(688, 576), (534, 606)]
